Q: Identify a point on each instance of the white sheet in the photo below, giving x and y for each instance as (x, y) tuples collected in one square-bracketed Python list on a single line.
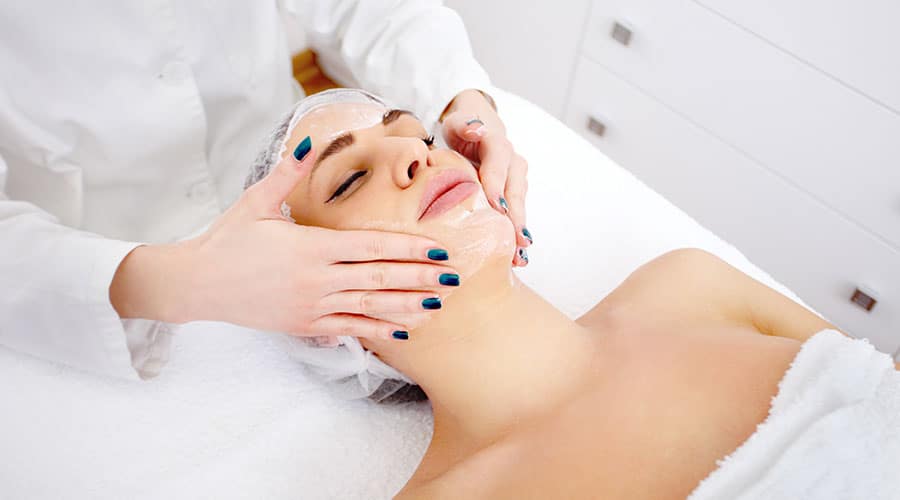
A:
[(233, 417)]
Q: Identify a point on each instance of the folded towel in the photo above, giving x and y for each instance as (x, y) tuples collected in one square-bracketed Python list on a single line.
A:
[(833, 430)]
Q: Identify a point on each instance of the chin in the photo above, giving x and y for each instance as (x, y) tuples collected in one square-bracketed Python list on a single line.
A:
[(480, 240), (475, 234)]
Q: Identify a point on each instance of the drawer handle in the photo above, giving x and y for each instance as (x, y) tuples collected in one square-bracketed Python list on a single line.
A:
[(596, 126), (621, 33), (864, 299)]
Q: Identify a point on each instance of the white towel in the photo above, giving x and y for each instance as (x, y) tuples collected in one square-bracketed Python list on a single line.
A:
[(833, 431)]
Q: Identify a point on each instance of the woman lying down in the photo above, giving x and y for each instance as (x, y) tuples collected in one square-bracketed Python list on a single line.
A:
[(642, 397)]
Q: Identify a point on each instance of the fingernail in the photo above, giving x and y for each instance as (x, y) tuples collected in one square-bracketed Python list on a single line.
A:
[(302, 149), (432, 303), (401, 335), (523, 254), (438, 254), (527, 234), (477, 132), (503, 205), (449, 279)]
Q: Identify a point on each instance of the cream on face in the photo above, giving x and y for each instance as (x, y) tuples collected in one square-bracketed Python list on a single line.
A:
[(384, 196), (476, 236), (327, 122)]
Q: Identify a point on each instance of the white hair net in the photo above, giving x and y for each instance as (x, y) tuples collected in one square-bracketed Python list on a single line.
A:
[(276, 143), (351, 370)]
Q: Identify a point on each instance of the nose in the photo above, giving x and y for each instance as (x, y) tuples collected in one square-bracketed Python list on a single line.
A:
[(412, 155)]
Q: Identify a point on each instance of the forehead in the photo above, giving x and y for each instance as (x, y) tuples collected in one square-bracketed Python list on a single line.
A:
[(324, 123)]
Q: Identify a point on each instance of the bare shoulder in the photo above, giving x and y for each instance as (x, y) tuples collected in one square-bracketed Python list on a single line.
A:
[(690, 283), (696, 286)]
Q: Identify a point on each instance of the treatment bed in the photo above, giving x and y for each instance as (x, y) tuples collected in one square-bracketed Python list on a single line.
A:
[(233, 416)]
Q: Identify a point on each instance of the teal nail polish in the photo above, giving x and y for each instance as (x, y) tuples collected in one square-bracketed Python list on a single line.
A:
[(527, 234), (523, 254), (438, 254), (449, 279), (302, 149), (432, 303), (503, 204), (401, 335)]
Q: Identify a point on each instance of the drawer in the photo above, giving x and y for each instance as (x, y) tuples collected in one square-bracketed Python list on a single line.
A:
[(807, 246), (855, 42), (836, 144)]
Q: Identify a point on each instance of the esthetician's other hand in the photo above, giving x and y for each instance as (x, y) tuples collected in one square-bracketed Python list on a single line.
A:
[(256, 268), (473, 128)]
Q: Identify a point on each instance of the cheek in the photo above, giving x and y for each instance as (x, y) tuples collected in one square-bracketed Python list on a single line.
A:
[(449, 157), (380, 206), (492, 235), (361, 213), (482, 237), (355, 212)]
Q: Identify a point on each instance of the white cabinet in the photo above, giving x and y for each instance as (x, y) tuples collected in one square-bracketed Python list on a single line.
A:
[(790, 162), (851, 41), (836, 144)]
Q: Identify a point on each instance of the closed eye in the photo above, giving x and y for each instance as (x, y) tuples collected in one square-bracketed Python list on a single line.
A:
[(346, 184)]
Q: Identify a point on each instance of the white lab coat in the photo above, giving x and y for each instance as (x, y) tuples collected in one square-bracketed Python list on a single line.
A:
[(134, 122)]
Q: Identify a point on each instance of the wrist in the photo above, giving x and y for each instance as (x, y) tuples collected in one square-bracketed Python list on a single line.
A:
[(179, 302), (152, 282)]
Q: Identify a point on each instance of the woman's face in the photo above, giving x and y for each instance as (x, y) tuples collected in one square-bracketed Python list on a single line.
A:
[(376, 169)]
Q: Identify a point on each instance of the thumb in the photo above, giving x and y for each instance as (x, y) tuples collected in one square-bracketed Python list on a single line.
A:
[(283, 179), (461, 127)]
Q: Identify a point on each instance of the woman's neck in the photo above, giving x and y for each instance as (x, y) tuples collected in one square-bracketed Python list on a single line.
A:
[(496, 356)]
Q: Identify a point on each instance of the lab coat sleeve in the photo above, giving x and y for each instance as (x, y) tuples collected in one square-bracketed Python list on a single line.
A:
[(414, 53), (55, 296)]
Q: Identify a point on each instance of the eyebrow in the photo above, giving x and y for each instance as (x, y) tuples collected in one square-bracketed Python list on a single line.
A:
[(340, 142), (393, 114), (346, 140)]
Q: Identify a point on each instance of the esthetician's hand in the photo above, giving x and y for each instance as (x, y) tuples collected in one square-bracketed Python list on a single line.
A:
[(256, 268), (473, 128)]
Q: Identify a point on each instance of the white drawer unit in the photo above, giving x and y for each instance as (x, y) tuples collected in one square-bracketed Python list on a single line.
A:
[(819, 134), (854, 42), (804, 243)]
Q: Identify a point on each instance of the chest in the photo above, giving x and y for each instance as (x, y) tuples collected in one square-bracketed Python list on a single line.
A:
[(653, 423)]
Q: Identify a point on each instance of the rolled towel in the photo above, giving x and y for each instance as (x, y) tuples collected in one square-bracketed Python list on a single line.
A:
[(833, 430)]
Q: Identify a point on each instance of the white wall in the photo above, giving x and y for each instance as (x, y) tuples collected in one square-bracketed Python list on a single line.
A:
[(527, 46)]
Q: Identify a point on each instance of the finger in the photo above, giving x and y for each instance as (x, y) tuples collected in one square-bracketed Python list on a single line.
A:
[(362, 246), (377, 303), (272, 190), (349, 325), (496, 153), (461, 128), (516, 189), (391, 276), (409, 320), (324, 341), (474, 130), (520, 259)]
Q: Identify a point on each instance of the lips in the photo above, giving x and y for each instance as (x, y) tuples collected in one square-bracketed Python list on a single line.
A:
[(444, 191)]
